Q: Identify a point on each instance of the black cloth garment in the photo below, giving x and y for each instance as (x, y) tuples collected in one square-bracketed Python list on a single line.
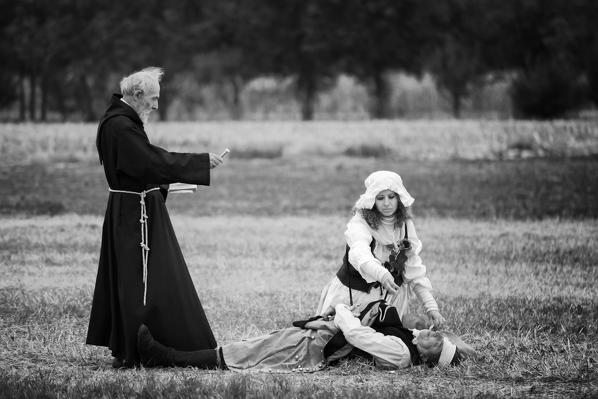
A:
[(173, 311), (386, 322), (350, 277)]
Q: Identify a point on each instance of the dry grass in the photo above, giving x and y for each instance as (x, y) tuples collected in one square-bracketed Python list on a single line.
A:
[(523, 293), (404, 140), (523, 189)]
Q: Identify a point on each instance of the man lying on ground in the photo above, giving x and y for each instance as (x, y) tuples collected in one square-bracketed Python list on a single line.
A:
[(313, 344)]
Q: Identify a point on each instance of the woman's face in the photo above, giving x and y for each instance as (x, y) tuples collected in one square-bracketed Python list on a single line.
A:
[(429, 344), (387, 202)]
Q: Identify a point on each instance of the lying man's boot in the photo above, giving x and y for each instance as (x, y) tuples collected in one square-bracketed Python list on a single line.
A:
[(153, 354), (117, 363)]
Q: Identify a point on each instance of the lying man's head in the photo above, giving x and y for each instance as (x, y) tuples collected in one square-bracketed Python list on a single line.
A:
[(441, 348)]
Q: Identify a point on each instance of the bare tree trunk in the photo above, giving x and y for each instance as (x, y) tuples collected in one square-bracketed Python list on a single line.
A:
[(32, 96), (22, 100), (60, 104), (307, 92), (236, 108), (44, 98), (456, 103), (86, 99), (307, 105), (380, 108)]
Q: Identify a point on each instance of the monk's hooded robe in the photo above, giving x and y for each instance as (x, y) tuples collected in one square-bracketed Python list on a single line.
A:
[(167, 301)]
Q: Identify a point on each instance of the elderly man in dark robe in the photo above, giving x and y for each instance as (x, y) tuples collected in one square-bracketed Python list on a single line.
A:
[(142, 276)]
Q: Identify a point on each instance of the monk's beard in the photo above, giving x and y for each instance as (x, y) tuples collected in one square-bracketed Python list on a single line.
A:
[(144, 116)]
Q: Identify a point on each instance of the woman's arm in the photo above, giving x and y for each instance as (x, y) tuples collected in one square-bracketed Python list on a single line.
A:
[(359, 238), (388, 348), (415, 275)]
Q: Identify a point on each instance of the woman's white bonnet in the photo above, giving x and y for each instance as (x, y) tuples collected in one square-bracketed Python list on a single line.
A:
[(380, 181)]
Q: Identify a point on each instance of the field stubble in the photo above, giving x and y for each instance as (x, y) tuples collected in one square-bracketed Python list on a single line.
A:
[(401, 140), (519, 189), (526, 304), (506, 212)]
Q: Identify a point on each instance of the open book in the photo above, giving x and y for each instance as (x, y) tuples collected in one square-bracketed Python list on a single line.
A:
[(182, 188)]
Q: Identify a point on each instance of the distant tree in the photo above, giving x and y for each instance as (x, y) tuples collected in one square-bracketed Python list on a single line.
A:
[(226, 53), (457, 58), (8, 66), (547, 91), (372, 38), (543, 41), (592, 72), (586, 50), (285, 38)]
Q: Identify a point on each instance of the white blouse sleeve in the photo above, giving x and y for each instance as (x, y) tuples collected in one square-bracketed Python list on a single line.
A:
[(388, 348), (412, 235), (415, 270), (359, 237)]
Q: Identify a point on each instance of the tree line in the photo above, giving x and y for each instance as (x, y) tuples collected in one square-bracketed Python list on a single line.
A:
[(64, 55)]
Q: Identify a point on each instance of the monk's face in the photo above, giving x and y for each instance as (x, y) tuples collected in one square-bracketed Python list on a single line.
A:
[(146, 102)]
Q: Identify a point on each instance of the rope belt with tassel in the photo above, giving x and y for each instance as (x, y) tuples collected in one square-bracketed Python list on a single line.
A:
[(144, 232)]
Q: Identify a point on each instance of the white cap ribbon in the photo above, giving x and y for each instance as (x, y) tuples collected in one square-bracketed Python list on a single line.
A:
[(448, 352)]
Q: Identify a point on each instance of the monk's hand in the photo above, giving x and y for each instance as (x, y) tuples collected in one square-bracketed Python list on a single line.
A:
[(388, 282), (438, 322), (215, 160)]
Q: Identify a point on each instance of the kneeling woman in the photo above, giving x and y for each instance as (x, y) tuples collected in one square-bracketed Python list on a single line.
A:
[(318, 343)]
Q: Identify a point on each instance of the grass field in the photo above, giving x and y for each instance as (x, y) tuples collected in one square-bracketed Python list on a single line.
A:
[(510, 245)]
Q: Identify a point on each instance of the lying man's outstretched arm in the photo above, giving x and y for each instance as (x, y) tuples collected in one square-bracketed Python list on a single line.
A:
[(388, 351)]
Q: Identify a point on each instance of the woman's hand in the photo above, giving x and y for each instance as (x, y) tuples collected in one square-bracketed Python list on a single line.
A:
[(328, 312), (331, 308), (411, 249), (388, 282), (437, 320)]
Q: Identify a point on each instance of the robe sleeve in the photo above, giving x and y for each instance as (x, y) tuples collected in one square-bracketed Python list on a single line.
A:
[(141, 160), (389, 349)]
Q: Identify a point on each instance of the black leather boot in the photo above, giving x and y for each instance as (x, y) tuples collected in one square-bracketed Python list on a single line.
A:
[(153, 353)]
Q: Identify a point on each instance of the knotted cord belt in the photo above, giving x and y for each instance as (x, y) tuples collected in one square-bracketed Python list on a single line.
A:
[(144, 232)]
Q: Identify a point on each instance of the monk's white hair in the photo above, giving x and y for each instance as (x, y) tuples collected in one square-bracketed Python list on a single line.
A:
[(141, 81)]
